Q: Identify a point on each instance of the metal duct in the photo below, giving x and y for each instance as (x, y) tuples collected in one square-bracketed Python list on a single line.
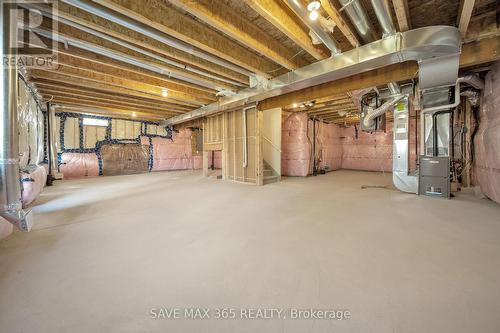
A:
[(10, 190), (400, 159), (438, 44), (142, 51), (358, 17), (315, 26), (125, 21), (383, 13), (121, 57)]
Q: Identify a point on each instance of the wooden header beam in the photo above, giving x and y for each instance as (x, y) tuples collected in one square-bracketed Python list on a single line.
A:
[(476, 53)]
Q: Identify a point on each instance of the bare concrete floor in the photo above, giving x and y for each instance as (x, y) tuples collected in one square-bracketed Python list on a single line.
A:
[(106, 251)]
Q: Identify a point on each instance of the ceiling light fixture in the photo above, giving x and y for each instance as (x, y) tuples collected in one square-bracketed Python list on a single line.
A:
[(313, 5), (294, 105), (313, 15), (164, 92), (134, 115)]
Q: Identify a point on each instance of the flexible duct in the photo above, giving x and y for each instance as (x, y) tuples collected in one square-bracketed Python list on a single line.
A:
[(10, 189), (387, 106)]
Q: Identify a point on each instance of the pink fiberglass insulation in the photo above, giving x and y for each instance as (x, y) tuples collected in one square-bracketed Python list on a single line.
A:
[(369, 151), (487, 139), (175, 154), (78, 165), (295, 146), (33, 183), (330, 146), (197, 162)]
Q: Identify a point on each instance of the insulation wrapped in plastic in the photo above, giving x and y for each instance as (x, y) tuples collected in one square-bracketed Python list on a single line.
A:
[(6, 228), (369, 151), (31, 128), (175, 154), (295, 146), (33, 179), (78, 165), (124, 159), (487, 140), (331, 147)]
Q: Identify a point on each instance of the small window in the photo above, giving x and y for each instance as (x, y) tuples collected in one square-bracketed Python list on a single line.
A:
[(95, 122)]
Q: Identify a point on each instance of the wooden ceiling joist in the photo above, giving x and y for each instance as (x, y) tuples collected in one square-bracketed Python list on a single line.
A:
[(166, 19), (464, 15), (83, 98), (120, 53), (68, 61), (119, 82), (105, 111), (112, 29), (344, 26), (402, 14), (221, 17), (285, 21), (63, 100), (48, 89), (84, 83)]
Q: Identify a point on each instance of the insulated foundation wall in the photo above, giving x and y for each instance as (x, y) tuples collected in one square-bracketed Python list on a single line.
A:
[(487, 139), (338, 147)]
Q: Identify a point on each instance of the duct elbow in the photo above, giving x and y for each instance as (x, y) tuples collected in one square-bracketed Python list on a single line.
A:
[(22, 219)]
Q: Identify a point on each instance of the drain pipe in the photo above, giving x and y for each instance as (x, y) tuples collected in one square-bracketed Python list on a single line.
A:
[(11, 207), (316, 27)]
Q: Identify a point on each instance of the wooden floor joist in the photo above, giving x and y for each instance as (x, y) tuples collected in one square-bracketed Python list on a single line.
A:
[(284, 20), (165, 19), (221, 17)]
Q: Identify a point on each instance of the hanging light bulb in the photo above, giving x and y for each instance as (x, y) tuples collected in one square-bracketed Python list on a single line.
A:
[(294, 105), (164, 92), (313, 5), (313, 15), (134, 115)]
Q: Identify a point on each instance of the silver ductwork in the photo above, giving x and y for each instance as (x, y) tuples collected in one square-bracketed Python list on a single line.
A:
[(438, 44), (359, 18), (11, 207), (146, 30), (204, 83), (384, 17), (401, 179), (298, 7)]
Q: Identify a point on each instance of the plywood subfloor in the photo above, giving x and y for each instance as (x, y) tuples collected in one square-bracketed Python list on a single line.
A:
[(105, 251)]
